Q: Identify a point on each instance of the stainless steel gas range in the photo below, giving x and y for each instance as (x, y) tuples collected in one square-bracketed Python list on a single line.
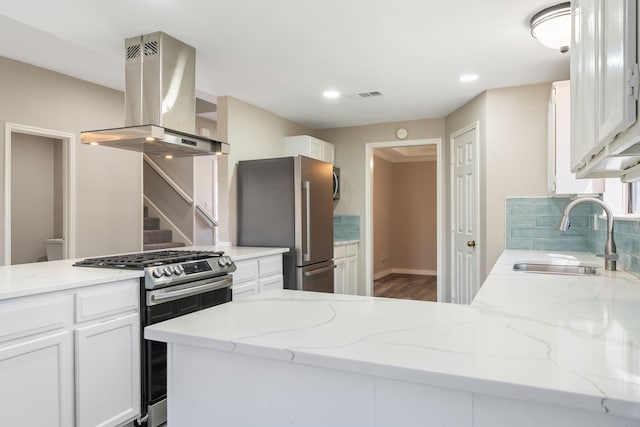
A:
[(175, 282)]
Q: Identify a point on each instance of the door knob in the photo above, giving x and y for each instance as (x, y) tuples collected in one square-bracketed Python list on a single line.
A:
[(471, 243)]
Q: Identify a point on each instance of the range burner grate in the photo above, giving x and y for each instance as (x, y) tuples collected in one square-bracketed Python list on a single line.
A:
[(138, 261)]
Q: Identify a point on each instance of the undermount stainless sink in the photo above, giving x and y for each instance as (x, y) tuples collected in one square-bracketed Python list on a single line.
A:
[(530, 267)]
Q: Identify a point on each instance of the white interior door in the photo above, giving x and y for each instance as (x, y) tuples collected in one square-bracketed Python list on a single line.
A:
[(464, 215)]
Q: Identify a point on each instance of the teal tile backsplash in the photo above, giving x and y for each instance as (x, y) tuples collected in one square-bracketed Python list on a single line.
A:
[(532, 223), (346, 227)]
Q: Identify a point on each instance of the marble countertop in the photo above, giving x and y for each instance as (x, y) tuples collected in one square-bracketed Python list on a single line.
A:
[(344, 242), (42, 277), (564, 340)]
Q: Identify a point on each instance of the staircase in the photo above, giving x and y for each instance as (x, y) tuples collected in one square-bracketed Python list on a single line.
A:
[(154, 238)]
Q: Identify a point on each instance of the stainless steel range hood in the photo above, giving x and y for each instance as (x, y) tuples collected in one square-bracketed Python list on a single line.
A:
[(160, 102)]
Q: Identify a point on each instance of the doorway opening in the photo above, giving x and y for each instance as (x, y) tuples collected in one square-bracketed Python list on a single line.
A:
[(404, 219), (39, 201)]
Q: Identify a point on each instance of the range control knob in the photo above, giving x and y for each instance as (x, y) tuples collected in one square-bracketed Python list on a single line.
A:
[(229, 262), (157, 273), (222, 262), (168, 271), (178, 269)]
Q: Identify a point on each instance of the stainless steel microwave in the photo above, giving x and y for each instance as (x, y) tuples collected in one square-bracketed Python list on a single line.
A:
[(336, 183)]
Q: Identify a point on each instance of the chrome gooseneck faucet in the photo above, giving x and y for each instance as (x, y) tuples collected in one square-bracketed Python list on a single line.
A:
[(610, 255)]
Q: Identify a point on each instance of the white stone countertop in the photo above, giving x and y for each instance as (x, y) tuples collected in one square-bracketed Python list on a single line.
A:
[(42, 277), (572, 341), (239, 253), (344, 242)]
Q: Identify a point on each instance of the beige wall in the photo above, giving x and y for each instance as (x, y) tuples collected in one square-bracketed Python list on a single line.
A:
[(350, 143), (405, 217), (516, 154), (253, 133), (33, 196), (383, 215), (108, 181), (415, 213), (513, 155)]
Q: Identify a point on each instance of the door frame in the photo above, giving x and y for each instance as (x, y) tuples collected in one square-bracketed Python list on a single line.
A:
[(368, 247), (68, 185), (475, 128)]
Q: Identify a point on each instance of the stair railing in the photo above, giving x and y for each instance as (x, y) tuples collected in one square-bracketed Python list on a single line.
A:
[(196, 207)]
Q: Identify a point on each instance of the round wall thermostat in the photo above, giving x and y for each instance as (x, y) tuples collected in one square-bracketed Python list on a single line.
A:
[(402, 133)]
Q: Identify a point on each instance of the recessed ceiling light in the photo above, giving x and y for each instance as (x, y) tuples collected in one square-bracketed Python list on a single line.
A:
[(468, 77), (331, 94)]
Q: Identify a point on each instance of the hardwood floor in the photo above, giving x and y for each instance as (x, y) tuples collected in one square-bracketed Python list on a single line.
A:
[(406, 286)]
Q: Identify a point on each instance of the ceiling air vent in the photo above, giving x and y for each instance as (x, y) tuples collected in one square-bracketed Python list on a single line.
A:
[(363, 95)]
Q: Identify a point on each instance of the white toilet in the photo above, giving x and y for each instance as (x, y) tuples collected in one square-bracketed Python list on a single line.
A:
[(53, 249)]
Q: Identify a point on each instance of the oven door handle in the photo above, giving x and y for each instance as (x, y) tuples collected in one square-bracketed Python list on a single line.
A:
[(157, 297)]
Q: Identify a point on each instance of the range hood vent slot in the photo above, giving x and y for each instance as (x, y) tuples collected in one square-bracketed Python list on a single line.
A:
[(160, 102)]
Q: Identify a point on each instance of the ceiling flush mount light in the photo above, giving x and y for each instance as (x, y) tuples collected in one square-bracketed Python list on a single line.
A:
[(468, 77), (552, 26), (331, 94)]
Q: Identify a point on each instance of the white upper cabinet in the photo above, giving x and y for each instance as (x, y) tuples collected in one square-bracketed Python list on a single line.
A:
[(603, 87), (561, 181), (309, 146)]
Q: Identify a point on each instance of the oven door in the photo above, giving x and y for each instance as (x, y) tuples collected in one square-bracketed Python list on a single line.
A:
[(164, 304)]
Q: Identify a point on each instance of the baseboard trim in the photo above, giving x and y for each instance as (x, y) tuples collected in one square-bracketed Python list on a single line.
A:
[(385, 273), (381, 274)]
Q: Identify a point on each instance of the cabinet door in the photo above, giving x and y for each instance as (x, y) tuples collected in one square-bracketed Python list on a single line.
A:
[(315, 148), (36, 382), (617, 58), (561, 180), (328, 152), (583, 81), (244, 289), (108, 372), (339, 276), (269, 283), (351, 275)]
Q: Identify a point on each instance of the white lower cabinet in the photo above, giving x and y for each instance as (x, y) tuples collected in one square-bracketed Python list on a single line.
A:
[(107, 372), (36, 387), (71, 358), (256, 275), (345, 257)]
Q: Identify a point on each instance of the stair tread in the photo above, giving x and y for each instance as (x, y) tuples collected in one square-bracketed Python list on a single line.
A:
[(157, 236), (167, 245)]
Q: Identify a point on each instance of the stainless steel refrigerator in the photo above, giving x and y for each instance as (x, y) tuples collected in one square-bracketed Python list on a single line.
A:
[(288, 202)]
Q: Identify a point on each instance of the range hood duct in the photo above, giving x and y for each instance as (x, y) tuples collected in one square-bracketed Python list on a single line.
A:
[(160, 102)]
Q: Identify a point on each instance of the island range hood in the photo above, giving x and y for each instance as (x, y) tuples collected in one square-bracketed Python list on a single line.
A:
[(160, 102)]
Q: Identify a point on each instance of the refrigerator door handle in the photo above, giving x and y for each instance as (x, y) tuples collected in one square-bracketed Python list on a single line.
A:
[(319, 270), (306, 252)]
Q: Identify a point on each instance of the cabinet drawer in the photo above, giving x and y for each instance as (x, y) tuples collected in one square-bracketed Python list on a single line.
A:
[(33, 315), (339, 251), (270, 265), (106, 300), (352, 250), (245, 270)]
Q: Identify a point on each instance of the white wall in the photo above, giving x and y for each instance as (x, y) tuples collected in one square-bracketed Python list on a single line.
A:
[(108, 181)]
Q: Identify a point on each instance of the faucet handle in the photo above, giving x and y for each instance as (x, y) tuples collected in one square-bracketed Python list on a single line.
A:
[(612, 257)]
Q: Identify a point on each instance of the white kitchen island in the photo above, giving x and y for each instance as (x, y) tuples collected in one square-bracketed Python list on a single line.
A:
[(532, 350)]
